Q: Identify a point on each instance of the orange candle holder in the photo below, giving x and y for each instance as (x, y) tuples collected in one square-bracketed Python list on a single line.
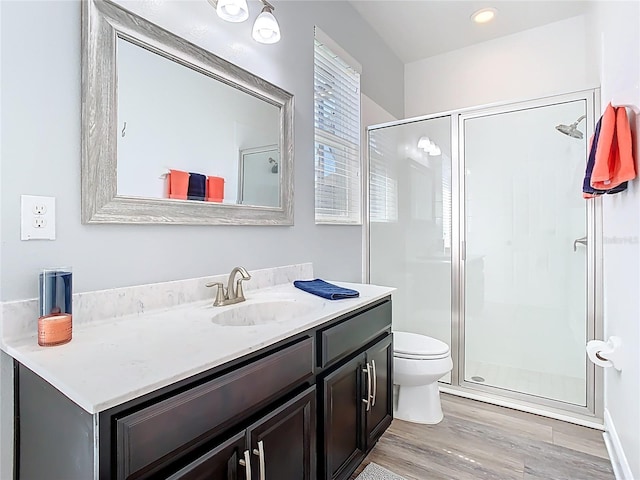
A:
[(54, 329), (56, 296)]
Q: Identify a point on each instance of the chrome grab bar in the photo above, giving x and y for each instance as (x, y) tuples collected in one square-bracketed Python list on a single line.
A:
[(375, 383), (581, 241), (260, 452), (367, 401), (246, 463)]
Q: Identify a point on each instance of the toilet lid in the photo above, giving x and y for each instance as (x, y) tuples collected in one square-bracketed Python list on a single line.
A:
[(412, 345)]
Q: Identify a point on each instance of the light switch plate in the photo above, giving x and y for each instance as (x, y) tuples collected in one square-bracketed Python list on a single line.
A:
[(38, 218)]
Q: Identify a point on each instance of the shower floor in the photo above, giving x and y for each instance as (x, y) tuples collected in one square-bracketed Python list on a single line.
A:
[(553, 386)]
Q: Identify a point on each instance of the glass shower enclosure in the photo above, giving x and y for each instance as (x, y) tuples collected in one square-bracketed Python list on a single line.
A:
[(477, 218)]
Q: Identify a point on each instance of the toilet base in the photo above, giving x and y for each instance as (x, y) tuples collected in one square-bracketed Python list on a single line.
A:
[(419, 404)]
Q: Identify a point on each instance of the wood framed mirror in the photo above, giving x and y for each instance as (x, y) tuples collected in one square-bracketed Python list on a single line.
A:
[(154, 104)]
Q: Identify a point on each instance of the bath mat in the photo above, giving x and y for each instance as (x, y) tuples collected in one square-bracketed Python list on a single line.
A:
[(374, 471)]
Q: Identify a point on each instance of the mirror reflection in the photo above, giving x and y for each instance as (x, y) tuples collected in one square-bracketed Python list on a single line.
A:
[(183, 135)]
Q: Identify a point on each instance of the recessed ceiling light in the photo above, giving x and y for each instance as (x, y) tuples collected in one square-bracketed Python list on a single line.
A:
[(484, 15)]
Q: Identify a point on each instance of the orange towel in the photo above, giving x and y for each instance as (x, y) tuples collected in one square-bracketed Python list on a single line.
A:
[(614, 157), (215, 189), (178, 184)]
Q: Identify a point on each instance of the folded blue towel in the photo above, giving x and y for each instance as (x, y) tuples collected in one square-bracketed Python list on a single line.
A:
[(325, 289), (197, 186)]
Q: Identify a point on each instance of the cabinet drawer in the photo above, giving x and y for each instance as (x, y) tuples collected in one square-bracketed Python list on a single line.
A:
[(338, 341), (160, 433)]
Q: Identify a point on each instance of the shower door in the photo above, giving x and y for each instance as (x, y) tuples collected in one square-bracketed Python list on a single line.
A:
[(527, 254), (492, 248), (409, 197)]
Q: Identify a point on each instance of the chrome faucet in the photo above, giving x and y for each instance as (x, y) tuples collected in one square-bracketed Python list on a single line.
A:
[(233, 293)]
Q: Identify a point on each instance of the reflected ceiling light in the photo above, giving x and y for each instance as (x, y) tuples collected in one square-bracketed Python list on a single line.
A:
[(423, 143), (484, 15), (232, 10), (429, 147), (434, 151), (266, 28)]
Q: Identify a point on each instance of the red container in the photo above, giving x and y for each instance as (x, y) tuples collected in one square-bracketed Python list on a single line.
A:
[(215, 189)]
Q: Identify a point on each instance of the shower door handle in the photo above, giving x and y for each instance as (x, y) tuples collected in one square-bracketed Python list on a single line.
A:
[(581, 241)]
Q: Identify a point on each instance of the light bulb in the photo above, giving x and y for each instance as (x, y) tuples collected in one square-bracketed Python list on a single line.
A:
[(266, 28), (485, 15), (233, 10)]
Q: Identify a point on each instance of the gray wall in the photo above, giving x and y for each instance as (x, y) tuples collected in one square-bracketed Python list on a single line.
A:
[(40, 153)]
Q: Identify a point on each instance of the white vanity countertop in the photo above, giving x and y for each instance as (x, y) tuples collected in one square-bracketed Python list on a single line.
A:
[(109, 362)]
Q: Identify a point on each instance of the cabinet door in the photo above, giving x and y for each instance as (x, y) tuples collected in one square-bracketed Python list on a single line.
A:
[(221, 463), (379, 415), (343, 395), (283, 443)]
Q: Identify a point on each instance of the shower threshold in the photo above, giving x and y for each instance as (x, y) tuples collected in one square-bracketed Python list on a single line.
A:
[(578, 418)]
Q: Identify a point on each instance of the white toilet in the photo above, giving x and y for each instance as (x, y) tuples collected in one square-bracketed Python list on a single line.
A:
[(419, 362)]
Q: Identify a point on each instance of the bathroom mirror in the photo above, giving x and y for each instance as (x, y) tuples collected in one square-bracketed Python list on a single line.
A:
[(156, 109)]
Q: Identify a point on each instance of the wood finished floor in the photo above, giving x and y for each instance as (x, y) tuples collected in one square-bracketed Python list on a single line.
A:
[(482, 441)]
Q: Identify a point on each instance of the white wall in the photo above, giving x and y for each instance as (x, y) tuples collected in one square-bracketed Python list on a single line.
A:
[(615, 32), (40, 152), (535, 63)]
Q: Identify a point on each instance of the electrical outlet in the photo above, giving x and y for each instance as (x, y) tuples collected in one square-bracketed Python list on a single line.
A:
[(39, 208), (38, 220)]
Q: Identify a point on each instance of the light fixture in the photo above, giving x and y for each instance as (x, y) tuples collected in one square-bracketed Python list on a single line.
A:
[(266, 28), (484, 15), (232, 10)]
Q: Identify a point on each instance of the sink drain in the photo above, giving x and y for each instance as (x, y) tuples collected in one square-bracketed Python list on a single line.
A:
[(476, 378)]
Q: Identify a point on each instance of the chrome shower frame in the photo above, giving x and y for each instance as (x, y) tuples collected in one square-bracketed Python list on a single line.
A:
[(592, 414)]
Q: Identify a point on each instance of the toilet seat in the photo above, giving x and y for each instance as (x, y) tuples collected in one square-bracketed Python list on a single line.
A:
[(413, 346)]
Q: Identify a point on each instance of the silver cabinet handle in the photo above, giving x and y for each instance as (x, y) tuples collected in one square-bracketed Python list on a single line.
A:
[(260, 452), (246, 463), (375, 383), (367, 401), (581, 241)]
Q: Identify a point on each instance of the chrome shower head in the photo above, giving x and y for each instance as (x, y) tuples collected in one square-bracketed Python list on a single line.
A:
[(572, 129)]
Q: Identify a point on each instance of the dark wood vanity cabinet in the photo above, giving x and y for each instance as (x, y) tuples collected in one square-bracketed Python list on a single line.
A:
[(309, 407), (356, 390), (286, 433), (220, 463), (356, 409), (380, 413)]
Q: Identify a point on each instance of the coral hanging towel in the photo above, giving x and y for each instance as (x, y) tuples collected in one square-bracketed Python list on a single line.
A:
[(614, 163), (325, 289)]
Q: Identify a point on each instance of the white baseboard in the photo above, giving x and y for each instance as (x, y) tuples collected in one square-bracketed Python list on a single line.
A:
[(621, 467)]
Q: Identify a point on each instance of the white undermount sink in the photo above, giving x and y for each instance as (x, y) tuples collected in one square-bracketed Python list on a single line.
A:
[(261, 312)]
